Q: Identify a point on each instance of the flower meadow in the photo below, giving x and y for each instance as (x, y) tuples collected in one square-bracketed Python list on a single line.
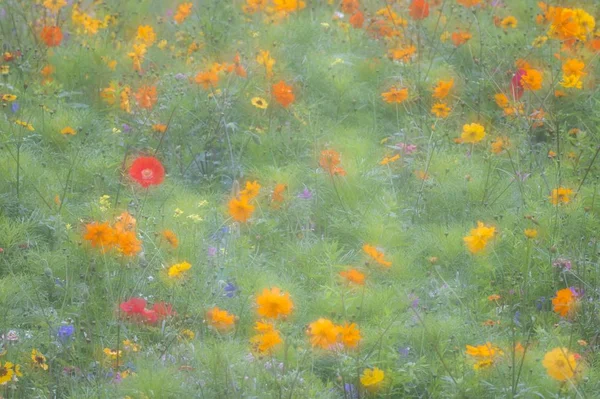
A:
[(299, 199)]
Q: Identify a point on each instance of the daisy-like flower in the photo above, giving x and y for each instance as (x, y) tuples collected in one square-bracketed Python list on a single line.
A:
[(259, 102)]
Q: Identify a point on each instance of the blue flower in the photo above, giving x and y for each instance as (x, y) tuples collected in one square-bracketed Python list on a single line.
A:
[(65, 332), (230, 290)]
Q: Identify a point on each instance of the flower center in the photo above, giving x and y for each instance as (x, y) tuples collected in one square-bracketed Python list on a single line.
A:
[(147, 174), (3, 371)]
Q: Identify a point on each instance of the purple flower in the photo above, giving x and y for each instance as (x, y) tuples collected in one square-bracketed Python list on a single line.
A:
[(65, 332), (305, 194), (351, 390), (126, 128), (212, 251), (230, 290), (404, 351), (14, 107)]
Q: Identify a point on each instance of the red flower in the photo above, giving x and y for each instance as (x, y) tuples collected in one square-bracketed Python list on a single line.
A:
[(133, 306), (516, 87), (147, 171), (419, 9), (150, 316), (51, 35)]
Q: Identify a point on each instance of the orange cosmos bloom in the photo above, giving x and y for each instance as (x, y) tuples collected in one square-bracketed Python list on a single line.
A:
[(277, 196), (283, 94), (274, 303), (395, 96), (183, 11), (171, 238), (251, 190), (403, 54), (146, 97), (159, 127), (442, 89), (477, 241), (574, 67), (288, 5), (349, 335), (561, 195), (240, 210), (100, 235), (51, 35), (500, 144), (207, 79), (323, 333), (419, 9), (441, 110), (357, 20), (125, 222), (565, 302), (329, 161), (146, 35), (221, 320), (377, 256), (266, 339), (459, 38), (472, 133), (127, 243), (350, 6), (353, 276), (532, 80), (468, 3)]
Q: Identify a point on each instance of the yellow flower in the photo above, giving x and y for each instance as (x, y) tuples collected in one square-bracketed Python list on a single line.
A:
[(472, 133), (441, 110), (264, 58), (146, 35), (54, 5), (372, 378), (560, 364), (9, 98), (178, 269), (531, 233), (561, 195), (571, 82), (187, 334), (479, 237), (259, 102), (6, 372), (484, 354), (509, 22), (68, 131), (539, 41), (38, 360)]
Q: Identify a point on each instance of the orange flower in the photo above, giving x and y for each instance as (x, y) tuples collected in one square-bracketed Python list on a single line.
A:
[(240, 210), (100, 235), (183, 11), (251, 191), (264, 58), (323, 333), (357, 20), (419, 9), (353, 276), (329, 161), (283, 94), (146, 97), (171, 238), (459, 38), (379, 257), (500, 144), (395, 96), (442, 89), (532, 80), (349, 335), (221, 320), (266, 339), (479, 237), (274, 303), (565, 302), (350, 6), (51, 35), (127, 243), (441, 110), (277, 196), (288, 5), (468, 3), (208, 79), (159, 127), (403, 54), (560, 195), (125, 222)]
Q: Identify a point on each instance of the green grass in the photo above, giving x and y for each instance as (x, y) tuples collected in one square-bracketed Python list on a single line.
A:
[(415, 318)]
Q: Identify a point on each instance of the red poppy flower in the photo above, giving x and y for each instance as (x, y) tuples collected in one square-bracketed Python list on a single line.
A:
[(133, 306), (147, 171), (163, 309)]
